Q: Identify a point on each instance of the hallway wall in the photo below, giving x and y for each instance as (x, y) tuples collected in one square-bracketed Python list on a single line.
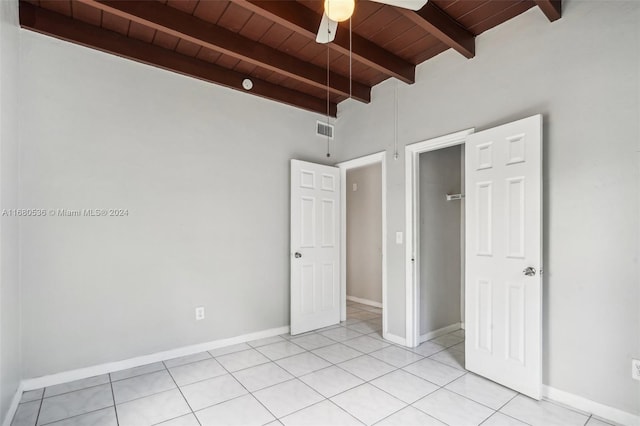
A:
[(364, 233)]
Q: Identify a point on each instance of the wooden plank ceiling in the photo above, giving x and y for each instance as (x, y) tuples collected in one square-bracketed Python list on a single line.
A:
[(272, 42)]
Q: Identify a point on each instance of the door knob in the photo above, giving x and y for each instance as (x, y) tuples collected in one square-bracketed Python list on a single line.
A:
[(529, 271), (298, 255)]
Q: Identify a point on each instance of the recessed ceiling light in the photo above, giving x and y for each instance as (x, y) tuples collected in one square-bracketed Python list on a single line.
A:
[(247, 84)]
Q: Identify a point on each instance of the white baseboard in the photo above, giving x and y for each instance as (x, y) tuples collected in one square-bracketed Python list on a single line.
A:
[(8, 417), (110, 367), (365, 301), (395, 339), (440, 332), (597, 409)]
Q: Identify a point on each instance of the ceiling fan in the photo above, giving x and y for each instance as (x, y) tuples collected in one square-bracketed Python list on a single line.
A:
[(340, 10)]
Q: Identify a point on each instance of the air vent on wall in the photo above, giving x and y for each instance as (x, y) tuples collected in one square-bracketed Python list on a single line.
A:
[(323, 129)]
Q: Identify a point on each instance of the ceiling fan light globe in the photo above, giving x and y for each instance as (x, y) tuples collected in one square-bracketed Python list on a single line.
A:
[(339, 10)]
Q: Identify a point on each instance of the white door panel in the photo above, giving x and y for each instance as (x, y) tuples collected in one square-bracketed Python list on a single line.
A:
[(315, 253), (503, 309)]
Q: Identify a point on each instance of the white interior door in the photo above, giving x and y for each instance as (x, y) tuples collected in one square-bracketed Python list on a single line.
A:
[(315, 249), (503, 308)]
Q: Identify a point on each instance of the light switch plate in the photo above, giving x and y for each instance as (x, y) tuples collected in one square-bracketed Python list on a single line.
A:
[(635, 369), (399, 237)]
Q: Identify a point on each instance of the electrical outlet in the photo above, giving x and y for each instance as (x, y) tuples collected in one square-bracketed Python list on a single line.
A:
[(635, 369), (199, 313)]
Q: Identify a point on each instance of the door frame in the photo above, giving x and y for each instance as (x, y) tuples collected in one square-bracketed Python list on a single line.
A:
[(367, 160), (412, 220)]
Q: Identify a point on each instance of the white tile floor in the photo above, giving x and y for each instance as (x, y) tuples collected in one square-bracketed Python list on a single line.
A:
[(342, 375)]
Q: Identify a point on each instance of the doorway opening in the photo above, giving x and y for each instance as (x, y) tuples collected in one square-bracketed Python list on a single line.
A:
[(363, 243), (435, 239), (441, 242)]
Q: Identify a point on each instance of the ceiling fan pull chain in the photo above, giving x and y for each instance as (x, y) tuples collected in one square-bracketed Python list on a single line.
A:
[(328, 103), (395, 121), (350, 58)]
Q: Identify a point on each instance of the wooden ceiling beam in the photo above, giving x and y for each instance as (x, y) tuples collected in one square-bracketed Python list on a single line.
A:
[(551, 8), (60, 26), (443, 27), (299, 18), (185, 26)]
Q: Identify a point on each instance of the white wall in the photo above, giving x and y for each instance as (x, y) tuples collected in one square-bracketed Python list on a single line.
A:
[(204, 174), (582, 73), (9, 226), (440, 233), (364, 233)]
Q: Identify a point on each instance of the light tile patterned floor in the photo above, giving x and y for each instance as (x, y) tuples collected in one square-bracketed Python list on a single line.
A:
[(342, 375)]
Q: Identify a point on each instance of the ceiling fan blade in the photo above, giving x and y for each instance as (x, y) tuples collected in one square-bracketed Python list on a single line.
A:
[(407, 4), (327, 30)]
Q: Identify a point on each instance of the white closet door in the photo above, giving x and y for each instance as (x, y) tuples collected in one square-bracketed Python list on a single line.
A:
[(503, 308)]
